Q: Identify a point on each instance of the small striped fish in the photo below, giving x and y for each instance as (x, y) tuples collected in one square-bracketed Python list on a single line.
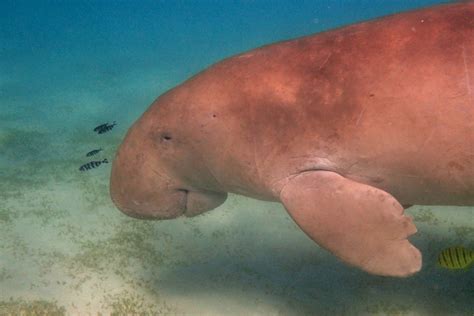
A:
[(455, 258), (107, 127), (99, 127), (92, 165), (93, 152)]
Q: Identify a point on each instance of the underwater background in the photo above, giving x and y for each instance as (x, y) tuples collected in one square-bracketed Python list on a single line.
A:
[(68, 66)]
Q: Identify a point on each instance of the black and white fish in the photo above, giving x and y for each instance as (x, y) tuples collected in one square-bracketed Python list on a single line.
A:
[(101, 126), (106, 128), (92, 164), (93, 152)]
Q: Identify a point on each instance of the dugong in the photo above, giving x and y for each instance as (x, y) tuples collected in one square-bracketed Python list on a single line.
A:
[(344, 128)]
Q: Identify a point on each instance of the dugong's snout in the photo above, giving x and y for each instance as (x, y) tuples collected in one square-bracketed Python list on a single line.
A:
[(144, 185), (140, 184), (142, 196)]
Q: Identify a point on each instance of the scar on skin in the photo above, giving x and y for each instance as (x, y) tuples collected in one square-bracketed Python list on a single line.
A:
[(325, 61), (360, 116), (426, 141), (466, 72)]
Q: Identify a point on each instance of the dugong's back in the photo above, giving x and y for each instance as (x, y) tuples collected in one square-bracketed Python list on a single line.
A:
[(388, 103)]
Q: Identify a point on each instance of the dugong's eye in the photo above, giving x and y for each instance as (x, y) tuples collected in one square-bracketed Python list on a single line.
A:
[(166, 137)]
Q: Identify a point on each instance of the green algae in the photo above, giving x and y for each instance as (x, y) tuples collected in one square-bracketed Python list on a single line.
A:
[(6, 216), (20, 307), (20, 144), (4, 275), (463, 232), (7, 137), (15, 246), (133, 304), (425, 216), (95, 192), (132, 244), (384, 308)]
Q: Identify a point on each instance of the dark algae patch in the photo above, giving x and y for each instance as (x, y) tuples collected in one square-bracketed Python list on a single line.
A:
[(388, 309), (19, 145), (425, 216), (463, 232), (5, 216), (133, 304), (132, 241), (17, 307)]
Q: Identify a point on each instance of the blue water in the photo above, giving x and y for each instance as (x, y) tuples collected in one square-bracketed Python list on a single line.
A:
[(67, 66)]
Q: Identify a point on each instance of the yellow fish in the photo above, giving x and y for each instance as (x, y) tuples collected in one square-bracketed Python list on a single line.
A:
[(455, 258)]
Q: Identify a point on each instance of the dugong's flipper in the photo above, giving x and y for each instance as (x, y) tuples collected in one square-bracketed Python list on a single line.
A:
[(362, 225)]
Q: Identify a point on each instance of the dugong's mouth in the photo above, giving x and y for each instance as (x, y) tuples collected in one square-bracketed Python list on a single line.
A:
[(162, 206), (148, 197), (169, 205)]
